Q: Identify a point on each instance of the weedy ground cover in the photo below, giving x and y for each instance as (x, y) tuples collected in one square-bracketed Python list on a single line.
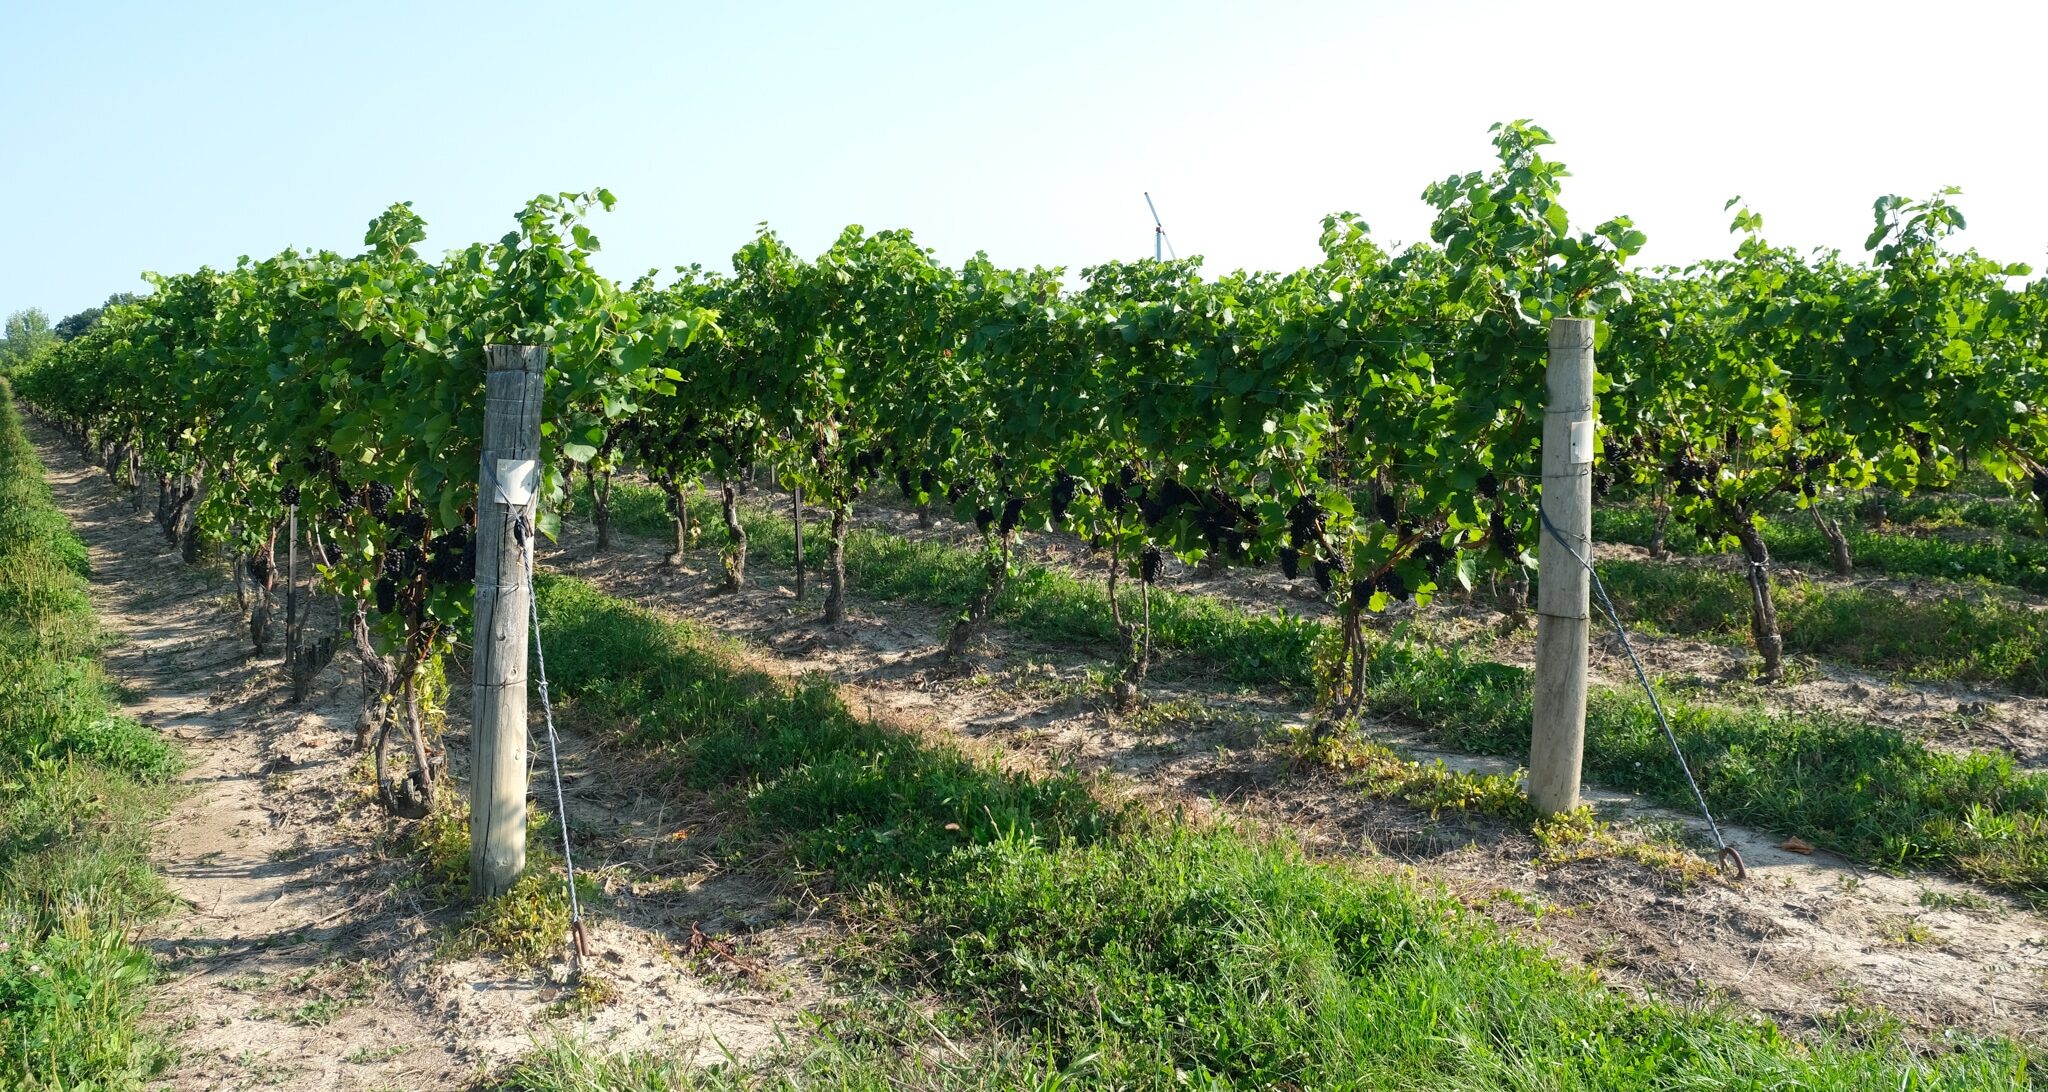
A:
[(1074, 941), (2006, 549), (1862, 789), (1973, 637), (78, 785)]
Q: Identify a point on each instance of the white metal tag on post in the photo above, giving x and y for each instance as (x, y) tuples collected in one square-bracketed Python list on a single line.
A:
[(1557, 739), (516, 480)]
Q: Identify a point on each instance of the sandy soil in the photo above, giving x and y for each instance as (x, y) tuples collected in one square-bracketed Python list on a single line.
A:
[(1806, 936), (306, 953)]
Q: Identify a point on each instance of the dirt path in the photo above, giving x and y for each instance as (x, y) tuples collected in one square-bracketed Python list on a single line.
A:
[(306, 954), (1805, 939)]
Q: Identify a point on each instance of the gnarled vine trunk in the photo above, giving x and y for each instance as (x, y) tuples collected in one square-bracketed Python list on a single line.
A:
[(380, 679), (1763, 613), (1354, 658), (1838, 543), (735, 555), (1135, 638), (972, 624), (835, 574), (190, 538), (600, 506), (164, 504), (262, 567), (678, 518)]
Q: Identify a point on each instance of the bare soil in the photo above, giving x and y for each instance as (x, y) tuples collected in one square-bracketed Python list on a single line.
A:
[(307, 952), (1805, 938)]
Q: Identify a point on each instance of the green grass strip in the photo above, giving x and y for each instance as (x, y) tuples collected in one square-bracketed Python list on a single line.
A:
[(77, 789), (2008, 556), (1128, 951), (1864, 790), (1963, 637)]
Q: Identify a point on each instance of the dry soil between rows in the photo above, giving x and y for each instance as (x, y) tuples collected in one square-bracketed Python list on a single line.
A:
[(305, 952)]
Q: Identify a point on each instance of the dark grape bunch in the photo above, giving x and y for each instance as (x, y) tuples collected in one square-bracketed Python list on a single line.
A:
[(1324, 571), (1621, 454), (289, 495), (1435, 556), (984, 518), (1388, 508), (1361, 591), (376, 497), (1013, 510), (1116, 495), (1148, 564), (904, 484), (866, 463), (410, 524), (1290, 561), (1394, 584), (1389, 581), (1690, 474), (1062, 493), (449, 559), (1489, 486), (1501, 534), (2041, 489), (1160, 500), (452, 558), (1226, 525)]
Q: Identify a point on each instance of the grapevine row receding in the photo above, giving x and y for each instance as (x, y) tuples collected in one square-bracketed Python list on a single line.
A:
[(1372, 419)]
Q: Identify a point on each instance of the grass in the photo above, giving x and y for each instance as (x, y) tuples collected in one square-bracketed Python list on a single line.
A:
[(1071, 942), (2009, 551), (78, 786), (1970, 637), (527, 926), (1860, 789), (1943, 510)]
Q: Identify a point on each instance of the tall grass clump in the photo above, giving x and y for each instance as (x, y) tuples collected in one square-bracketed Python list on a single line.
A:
[(78, 785)]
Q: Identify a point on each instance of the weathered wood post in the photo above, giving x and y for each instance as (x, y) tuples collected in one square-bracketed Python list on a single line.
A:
[(507, 494), (1558, 735)]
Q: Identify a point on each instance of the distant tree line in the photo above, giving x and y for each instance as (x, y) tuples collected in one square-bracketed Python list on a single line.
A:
[(29, 331)]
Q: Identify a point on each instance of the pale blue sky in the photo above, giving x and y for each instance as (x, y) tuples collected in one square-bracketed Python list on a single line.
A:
[(165, 136)]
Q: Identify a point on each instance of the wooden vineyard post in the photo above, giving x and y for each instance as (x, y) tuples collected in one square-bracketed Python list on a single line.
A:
[(507, 494), (1558, 733)]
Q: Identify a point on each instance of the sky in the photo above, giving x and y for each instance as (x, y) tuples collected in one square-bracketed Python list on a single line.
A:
[(151, 136)]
